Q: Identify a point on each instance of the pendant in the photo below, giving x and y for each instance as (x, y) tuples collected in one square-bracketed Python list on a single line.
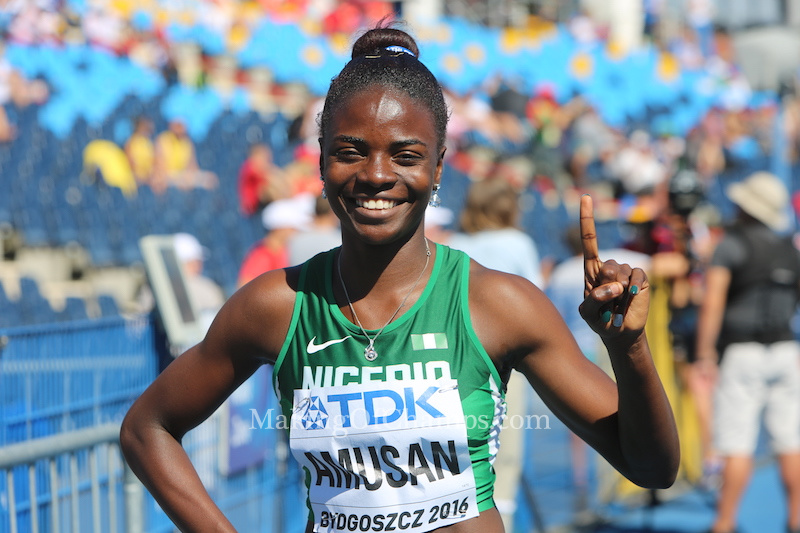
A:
[(369, 353)]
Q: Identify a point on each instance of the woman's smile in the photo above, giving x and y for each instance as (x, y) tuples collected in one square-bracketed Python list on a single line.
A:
[(375, 204), (380, 161)]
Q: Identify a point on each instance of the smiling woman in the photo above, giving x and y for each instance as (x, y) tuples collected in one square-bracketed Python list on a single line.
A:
[(380, 160), (385, 347)]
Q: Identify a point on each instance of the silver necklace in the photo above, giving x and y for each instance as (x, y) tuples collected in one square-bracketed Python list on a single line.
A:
[(369, 352)]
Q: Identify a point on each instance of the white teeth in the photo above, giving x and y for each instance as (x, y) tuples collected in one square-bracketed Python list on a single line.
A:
[(376, 204)]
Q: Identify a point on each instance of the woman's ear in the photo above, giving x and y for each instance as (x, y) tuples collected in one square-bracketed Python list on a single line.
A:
[(439, 167), (321, 158)]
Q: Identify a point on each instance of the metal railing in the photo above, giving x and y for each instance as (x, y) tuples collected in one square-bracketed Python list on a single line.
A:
[(83, 471)]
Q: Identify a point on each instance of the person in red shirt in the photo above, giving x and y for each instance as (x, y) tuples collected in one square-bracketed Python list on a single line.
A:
[(260, 181), (282, 219)]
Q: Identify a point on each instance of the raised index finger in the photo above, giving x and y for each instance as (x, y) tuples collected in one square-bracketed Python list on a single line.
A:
[(591, 255)]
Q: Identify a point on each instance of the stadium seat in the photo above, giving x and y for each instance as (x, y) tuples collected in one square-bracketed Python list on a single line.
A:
[(10, 310), (74, 309), (35, 309), (108, 305)]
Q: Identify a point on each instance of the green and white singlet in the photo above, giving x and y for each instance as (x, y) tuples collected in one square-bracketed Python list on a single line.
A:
[(406, 441)]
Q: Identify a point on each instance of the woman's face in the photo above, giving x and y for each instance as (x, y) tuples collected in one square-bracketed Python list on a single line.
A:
[(380, 159)]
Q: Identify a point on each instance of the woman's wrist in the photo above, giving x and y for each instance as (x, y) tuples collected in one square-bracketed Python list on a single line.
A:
[(628, 345)]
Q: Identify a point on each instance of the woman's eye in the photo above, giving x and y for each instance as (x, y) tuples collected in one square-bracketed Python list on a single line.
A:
[(347, 154), (407, 158)]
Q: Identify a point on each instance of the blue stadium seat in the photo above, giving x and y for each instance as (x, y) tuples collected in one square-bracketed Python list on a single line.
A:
[(108, 305), (35, 309), (30, 220), (74, 309), (66, 225), (10, 310)]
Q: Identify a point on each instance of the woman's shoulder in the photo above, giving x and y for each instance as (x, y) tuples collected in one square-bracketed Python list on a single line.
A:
[(500, 287), (509, 313), (259, 313)]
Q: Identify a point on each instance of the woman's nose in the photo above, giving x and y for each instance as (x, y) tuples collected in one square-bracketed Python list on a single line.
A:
[(379, 171)]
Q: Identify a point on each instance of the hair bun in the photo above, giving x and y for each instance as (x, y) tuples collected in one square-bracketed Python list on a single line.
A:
[(378, 41)]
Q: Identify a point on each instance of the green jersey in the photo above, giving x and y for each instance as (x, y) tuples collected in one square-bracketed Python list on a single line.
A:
[(423, 415)]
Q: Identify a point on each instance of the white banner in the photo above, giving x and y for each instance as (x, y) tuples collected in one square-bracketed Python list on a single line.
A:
[(385, 456)]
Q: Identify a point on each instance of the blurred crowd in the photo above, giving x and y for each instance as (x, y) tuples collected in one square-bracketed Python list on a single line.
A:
[(498, 128), (510, 143)]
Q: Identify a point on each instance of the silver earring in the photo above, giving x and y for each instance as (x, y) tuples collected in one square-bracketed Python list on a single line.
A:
[(324, 194), (435, 200)]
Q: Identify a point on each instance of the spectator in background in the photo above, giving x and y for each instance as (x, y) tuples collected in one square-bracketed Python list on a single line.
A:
[(282, 219), (686, 247), (103, 27), (207, 295), (489, 232), (565, 290), (791, 109), (7, 130), (704, 145), (176, 160), (437, 224), (16, 88), (110, 160), (34, 23), (751, 294), (140, 150), (635, 166), (260, 181), (548, 120), (592, 144), (322, 234), (491, 238)]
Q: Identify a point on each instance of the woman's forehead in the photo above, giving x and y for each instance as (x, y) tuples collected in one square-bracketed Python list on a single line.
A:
[(381, 105)]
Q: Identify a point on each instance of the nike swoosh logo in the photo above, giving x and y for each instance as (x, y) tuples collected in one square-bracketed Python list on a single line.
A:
[(314, 348)]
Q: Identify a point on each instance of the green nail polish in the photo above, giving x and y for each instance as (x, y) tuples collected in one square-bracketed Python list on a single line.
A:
[(634, 290), (606, 316)]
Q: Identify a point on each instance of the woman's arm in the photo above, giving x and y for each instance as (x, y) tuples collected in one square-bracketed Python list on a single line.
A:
[(630, 421), (248, 330)]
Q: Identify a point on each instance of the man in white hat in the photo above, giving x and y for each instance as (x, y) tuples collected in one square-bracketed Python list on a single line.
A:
[(282, 219), (752, 286), (207, 295)]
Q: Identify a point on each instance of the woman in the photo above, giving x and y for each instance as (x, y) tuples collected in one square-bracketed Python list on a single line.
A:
[(490, 234), (390, 352)]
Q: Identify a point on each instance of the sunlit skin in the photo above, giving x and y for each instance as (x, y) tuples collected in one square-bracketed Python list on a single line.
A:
[(381, 146)]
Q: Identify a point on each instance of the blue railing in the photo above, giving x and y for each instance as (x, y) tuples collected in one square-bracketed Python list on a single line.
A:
[(62, 377)]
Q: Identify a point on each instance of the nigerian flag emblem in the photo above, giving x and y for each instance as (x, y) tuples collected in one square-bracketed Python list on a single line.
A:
[(429, 341)]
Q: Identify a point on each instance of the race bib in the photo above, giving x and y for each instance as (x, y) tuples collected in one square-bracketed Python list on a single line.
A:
[(384, 456)]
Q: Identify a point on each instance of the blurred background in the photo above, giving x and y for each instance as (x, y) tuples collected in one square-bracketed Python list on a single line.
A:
[(121, 120)]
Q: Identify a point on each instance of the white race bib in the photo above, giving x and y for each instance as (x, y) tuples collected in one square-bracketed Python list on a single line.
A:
[(384, 456)]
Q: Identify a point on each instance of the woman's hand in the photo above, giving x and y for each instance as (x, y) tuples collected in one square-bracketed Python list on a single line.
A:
[(616, 296)]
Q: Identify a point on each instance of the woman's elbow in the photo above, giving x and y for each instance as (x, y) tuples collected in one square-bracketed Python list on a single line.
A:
[(660, 474), (132, 439)]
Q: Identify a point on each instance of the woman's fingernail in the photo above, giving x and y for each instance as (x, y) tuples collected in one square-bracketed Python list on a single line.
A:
[(605, 317), (634, 289), (618, 318)]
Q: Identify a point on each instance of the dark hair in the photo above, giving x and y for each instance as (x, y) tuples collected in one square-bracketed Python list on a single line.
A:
[(372, 63)]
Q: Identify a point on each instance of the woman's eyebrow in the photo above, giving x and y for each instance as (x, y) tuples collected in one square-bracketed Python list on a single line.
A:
[(408, 142), (349, 139), (396, 144)]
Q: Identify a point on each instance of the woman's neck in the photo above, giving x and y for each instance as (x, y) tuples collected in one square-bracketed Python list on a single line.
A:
[(384, 269)]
